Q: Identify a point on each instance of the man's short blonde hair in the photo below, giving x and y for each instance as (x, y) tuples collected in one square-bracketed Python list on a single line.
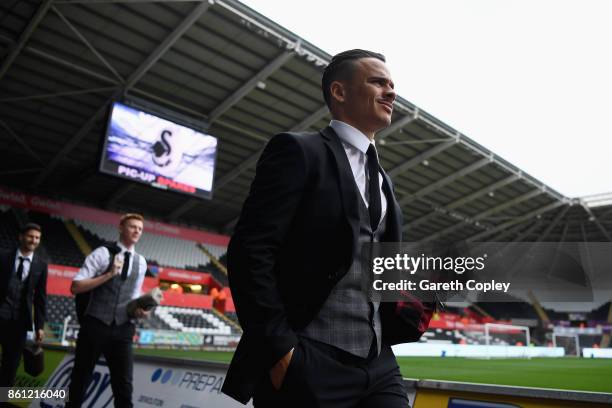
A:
[(130, 216)]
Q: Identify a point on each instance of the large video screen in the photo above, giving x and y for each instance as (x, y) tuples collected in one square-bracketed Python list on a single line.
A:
[(146, 148)]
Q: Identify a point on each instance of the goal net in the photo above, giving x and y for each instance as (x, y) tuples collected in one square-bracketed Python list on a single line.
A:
[(496, 334), (569, 342)]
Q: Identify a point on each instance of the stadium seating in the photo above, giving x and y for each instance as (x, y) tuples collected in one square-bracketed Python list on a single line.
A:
[(192, 320), (232, 316), (601, 313), (214, 271), (509, 310), (58, 307), (58, 243), (217, 251), (92, 239), (161, 249)]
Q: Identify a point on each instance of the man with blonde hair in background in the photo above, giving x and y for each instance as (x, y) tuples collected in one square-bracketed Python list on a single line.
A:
[(112, 277)]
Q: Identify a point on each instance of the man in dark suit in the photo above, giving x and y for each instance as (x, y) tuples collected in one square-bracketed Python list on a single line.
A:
[(312, 337), (23, 284)]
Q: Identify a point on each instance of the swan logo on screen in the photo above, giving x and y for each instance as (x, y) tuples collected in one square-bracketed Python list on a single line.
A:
[(162, 149)]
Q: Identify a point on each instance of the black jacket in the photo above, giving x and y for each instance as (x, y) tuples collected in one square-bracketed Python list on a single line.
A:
[(294, 241), (36, 294)]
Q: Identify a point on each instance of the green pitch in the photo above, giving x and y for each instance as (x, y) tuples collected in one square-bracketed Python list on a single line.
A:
[(560, 373)]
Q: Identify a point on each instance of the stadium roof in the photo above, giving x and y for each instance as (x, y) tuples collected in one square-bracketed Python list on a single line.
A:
[(220, 63)]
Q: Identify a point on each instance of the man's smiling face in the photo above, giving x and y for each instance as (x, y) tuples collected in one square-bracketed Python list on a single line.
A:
[(369, 95)]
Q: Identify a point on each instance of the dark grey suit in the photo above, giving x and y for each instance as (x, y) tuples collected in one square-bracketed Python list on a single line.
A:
[(295, 240), (13, 326)]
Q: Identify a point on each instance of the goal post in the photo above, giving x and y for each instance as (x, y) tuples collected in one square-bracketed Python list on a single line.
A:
[(507, 330), (569, 341)]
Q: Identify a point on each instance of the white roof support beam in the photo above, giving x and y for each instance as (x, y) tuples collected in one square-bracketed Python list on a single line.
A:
[(395, 126), (91, 48), (142, 69), (485, 213), (458, 203), (248, 86), (60, 61), (553, 224), (517, 220), (564, 232), (57, 94), (25, 36), (311, 119), (21, 142), (508, 232), (444, 181), (168, 42), (606, 214), (594, 219), (71, 65), (516, 200), (418, 159), (251, 161), (526, 233)]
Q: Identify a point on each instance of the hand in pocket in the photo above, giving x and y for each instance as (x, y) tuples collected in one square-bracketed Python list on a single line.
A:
[(279, 370)]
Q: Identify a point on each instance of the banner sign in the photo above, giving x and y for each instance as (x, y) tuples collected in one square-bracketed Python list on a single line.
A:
[(169, 337), (72, 211), (166, 384), (181, 275)]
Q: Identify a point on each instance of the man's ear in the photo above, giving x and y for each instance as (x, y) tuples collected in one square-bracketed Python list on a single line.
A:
[(337, 91)]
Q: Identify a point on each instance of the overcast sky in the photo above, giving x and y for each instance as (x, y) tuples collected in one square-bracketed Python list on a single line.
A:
[(529, 79)]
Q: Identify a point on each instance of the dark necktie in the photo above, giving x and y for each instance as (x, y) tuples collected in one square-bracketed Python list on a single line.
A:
[(375, 204), (20, 269), (126, 266)]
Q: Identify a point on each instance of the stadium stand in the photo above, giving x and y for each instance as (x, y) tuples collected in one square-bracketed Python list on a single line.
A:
[(601, 313), (215, 251), (92, 239), (192, 320), (8, 228), (232, 316), (216, 267), (509, 310), (59, 307), (213, 270), (163, 250), (58, 243)]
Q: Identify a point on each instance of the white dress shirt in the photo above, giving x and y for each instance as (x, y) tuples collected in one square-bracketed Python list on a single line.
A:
[(356, 145), (97, 263), (27, 262)]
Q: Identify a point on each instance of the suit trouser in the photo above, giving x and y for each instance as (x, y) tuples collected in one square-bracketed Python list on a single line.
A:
[(320, 375), (115, 343), (12, 338)]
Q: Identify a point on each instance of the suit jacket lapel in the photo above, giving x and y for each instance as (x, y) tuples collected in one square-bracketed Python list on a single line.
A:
[(394, 212), (9, 267), (34, 268), (346, 181)]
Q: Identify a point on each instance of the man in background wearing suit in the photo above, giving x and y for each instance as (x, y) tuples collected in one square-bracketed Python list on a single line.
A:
[(23, 284), (311, 337)]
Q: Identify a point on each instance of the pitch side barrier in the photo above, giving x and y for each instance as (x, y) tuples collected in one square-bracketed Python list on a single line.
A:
[(174, 382)]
